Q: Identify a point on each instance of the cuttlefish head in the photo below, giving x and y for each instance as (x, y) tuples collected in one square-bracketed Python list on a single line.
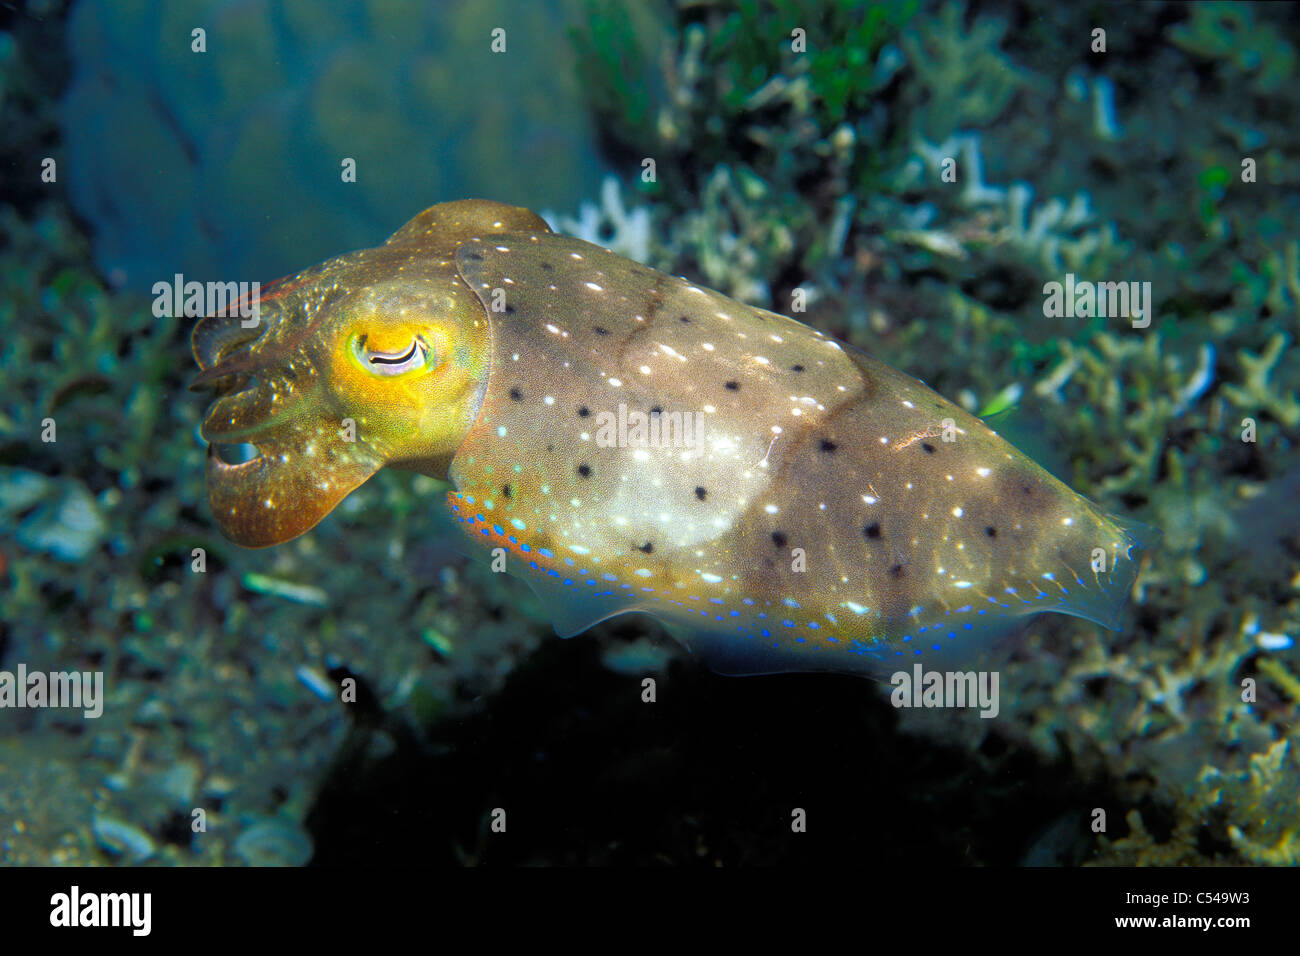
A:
[(376, 358)]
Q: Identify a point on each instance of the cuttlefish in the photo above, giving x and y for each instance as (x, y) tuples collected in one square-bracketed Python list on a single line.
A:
[(628, 441)]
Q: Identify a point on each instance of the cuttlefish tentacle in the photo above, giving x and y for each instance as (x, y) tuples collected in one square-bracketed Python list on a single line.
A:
[(318, 382)]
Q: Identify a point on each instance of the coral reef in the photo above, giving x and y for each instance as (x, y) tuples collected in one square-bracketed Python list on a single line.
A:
[(819, 172), (1254, 812), (1229, 32), (1153, 418)]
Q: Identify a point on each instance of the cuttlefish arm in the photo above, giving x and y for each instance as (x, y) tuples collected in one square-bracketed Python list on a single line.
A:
[(379, 357)]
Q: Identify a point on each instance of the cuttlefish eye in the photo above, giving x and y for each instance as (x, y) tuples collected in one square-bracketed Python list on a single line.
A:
[(417, 355)]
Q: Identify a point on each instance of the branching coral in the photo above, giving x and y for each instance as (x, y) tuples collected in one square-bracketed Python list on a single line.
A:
[(1256, 811), (731, 236), (1056, 235), (1258, 392), (1230, 32), (1140, 848), (1262, 805), (966, 78), (609, 224)]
